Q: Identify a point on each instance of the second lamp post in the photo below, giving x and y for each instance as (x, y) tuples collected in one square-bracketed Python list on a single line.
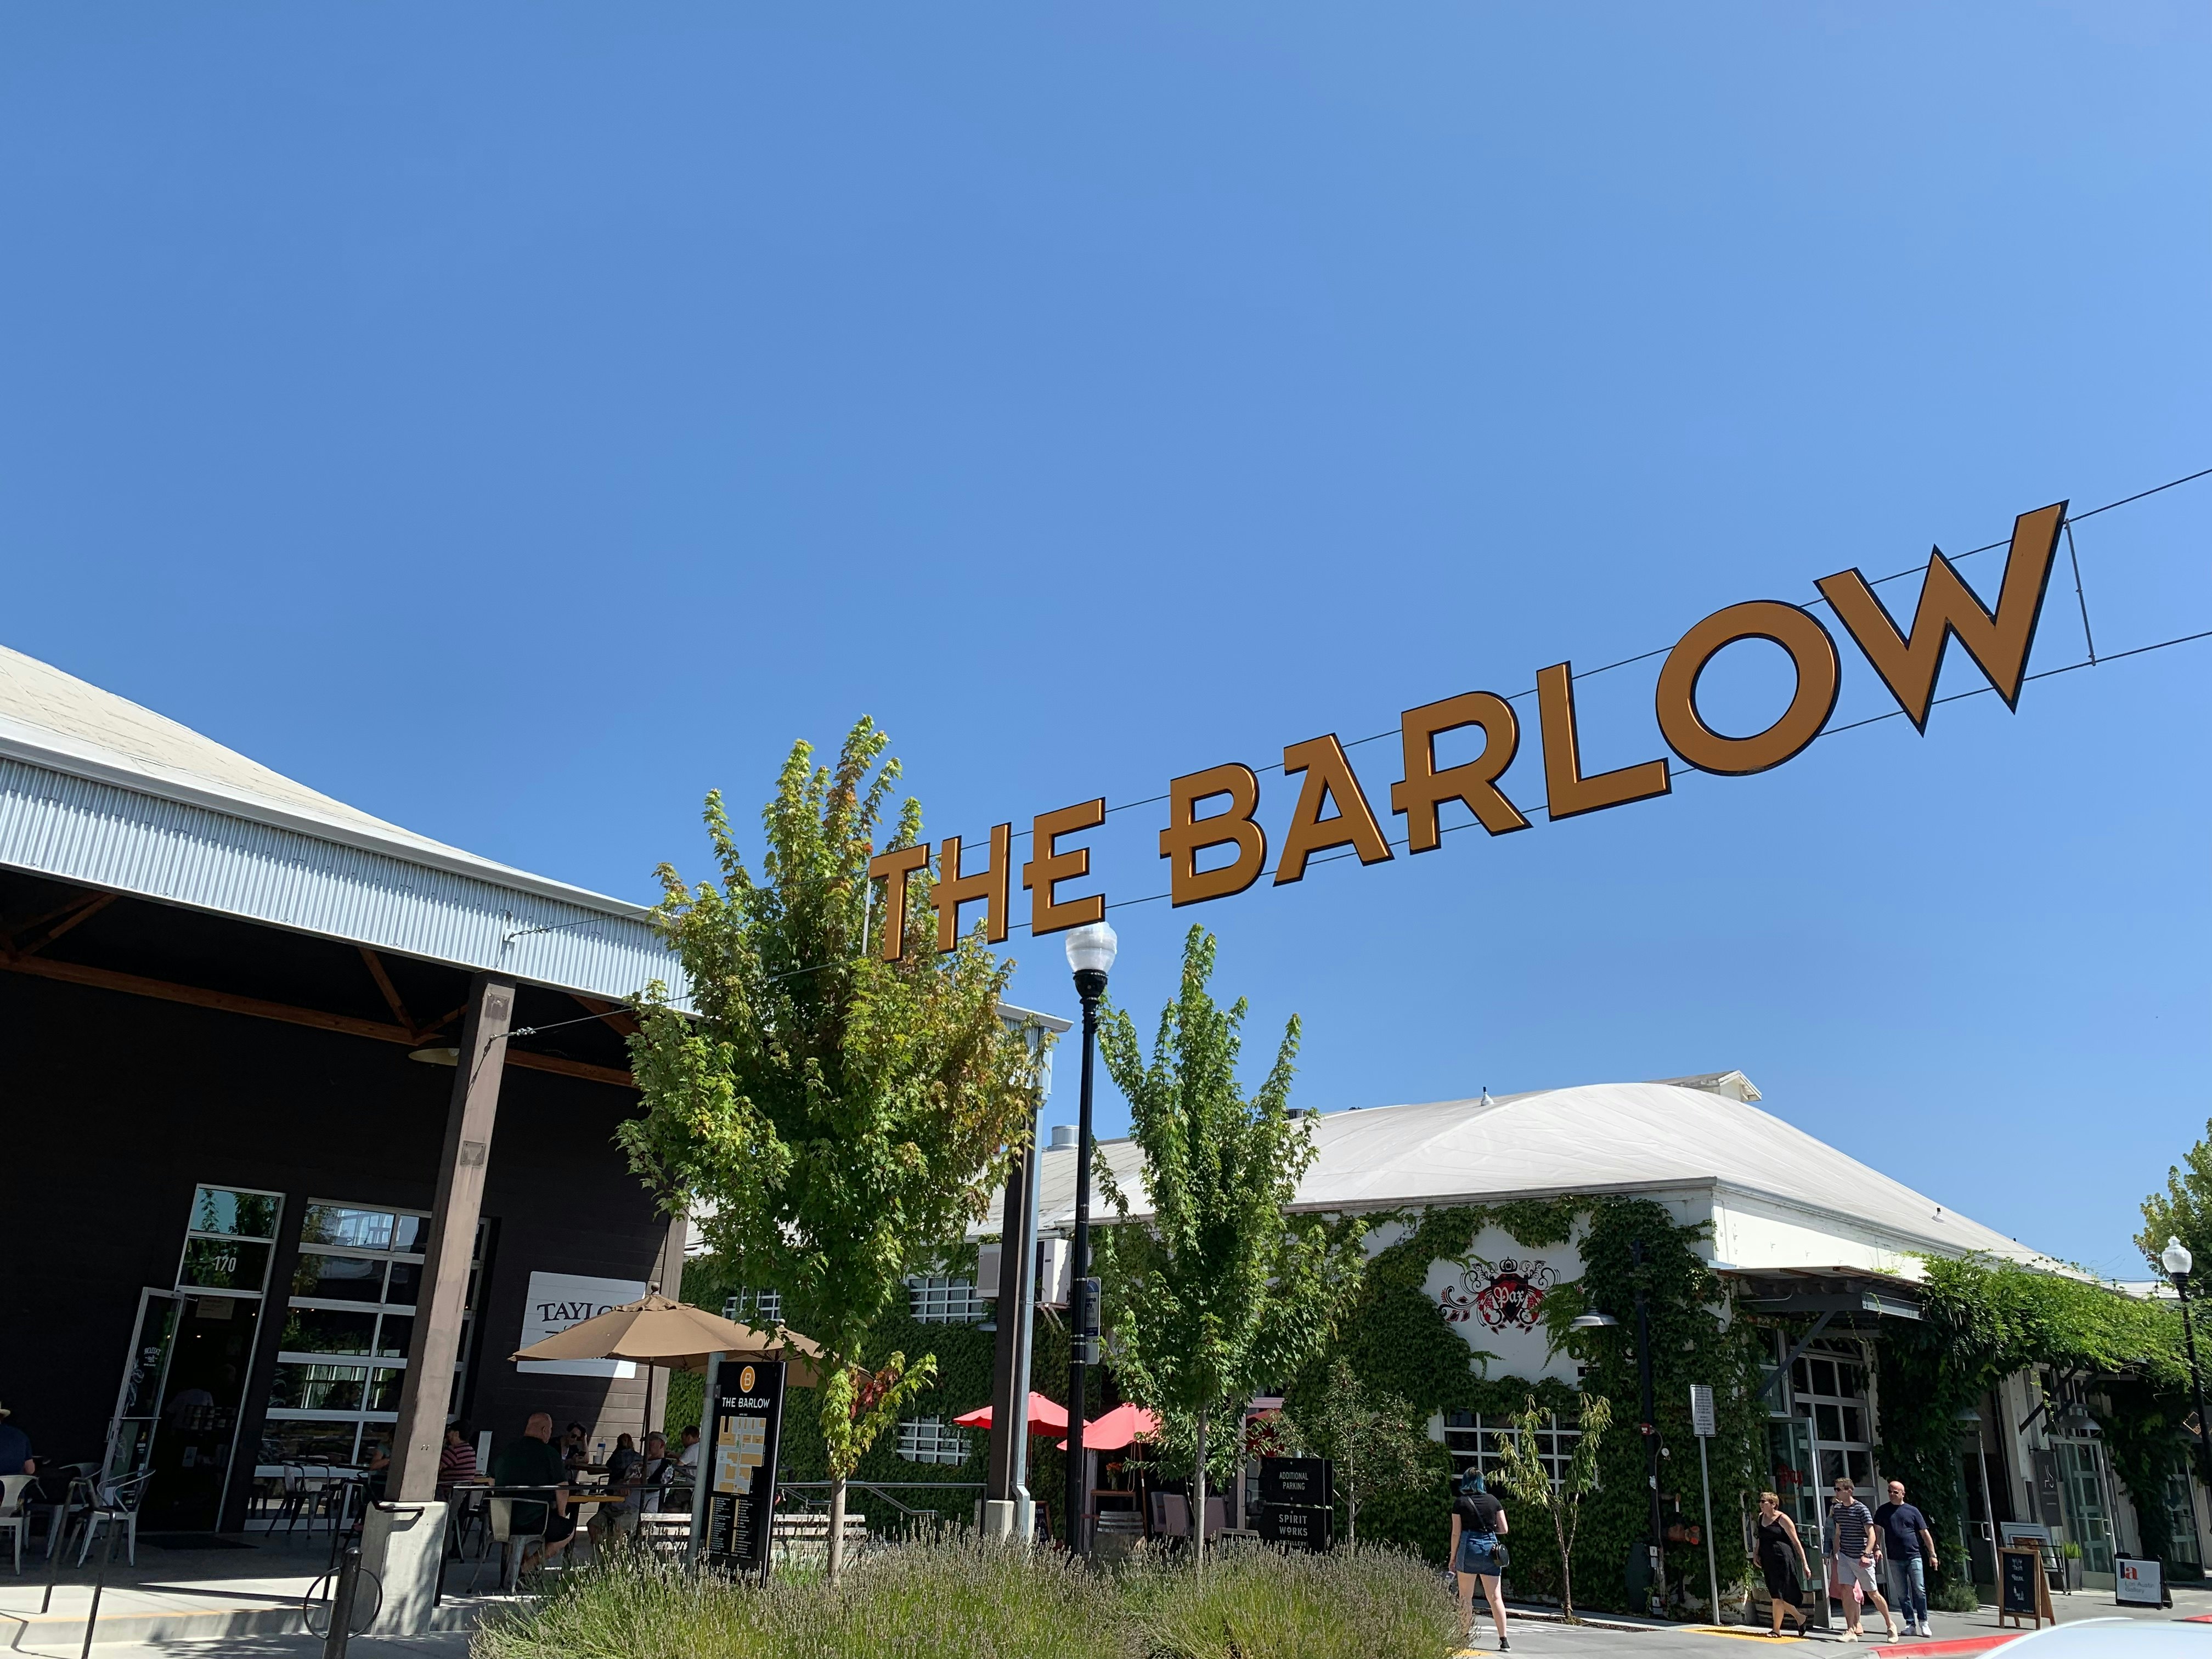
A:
[(1091, 953)]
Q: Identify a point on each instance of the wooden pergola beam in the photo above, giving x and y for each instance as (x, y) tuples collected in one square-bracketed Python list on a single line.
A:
[(107, 979)]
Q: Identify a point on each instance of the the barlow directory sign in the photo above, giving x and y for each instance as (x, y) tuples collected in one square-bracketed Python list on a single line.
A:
[(744, 1432)]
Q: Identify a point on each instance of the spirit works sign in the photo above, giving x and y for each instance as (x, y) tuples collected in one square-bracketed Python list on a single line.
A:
[(1215, 811)]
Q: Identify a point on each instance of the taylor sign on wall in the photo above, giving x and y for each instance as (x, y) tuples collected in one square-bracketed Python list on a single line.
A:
[(1215, 846), (556, 1301)]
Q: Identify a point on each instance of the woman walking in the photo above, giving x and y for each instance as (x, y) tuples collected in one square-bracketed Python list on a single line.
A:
[(1782, 1559), (1478, 1522)]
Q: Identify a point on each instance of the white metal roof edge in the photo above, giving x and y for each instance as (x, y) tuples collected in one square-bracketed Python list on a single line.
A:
[(398, 843), (122, 836)]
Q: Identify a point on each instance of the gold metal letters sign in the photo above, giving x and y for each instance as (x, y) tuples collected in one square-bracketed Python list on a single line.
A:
[(1216, 811)]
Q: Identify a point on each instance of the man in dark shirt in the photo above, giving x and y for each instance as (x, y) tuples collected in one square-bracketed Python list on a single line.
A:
[(534, 1460), (1906, 1544), (16, 1456)]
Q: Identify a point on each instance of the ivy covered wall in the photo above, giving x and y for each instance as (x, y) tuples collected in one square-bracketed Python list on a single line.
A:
[(1396, 1339)]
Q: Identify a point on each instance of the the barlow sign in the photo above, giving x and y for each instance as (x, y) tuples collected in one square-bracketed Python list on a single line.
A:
[(1334, 812)]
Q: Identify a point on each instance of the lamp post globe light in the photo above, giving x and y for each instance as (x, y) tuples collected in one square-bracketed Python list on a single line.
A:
[(1090, 952), (2177, 1261)]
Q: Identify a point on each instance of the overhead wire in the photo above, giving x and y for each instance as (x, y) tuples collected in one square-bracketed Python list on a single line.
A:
[(1660, 651)]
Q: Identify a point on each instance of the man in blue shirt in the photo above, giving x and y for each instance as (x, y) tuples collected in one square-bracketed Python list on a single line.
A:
[(16, 1456), (1910, 1549)]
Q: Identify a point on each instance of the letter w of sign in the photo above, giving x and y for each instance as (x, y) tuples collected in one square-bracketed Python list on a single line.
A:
[(1998, 640)]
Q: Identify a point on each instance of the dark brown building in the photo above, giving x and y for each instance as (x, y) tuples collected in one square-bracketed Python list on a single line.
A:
[(232, 1010)]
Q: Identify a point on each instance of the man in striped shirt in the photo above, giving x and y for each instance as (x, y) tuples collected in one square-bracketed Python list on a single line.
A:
[(1854, 1545)]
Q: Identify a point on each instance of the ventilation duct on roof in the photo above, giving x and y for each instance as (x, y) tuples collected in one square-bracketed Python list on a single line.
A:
[(1734, 1085)]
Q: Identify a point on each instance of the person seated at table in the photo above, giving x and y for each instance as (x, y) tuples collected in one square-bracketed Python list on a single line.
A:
[(574, 1452), (689, 1457), (621, 1460), (15, 1454), (457, 1460), (379, 1465), (534, 1460), (655, 1472)]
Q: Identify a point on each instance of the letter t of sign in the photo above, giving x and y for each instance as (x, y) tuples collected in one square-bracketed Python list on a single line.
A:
[(892, 869), (991, 886)]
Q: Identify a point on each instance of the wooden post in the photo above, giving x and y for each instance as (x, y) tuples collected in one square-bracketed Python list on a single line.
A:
[(670, 1278), (427, 1395)]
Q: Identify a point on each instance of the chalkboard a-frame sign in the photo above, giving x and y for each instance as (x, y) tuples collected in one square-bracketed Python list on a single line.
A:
[(2022, 1590)]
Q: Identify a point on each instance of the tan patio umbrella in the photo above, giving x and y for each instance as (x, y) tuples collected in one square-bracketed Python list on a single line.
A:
[(656, 1331)]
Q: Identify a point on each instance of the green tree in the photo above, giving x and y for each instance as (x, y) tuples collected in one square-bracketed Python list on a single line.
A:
[(2184, 1210), (1219, 1292), (1372, 1439), (1528, 1481), (830, 1117)]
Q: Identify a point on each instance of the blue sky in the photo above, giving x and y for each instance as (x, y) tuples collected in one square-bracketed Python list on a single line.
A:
[(515, 420)]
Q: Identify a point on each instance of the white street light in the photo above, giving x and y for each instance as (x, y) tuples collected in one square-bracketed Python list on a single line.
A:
[(1591, 1321), (2174, 1258), (1092, 948)]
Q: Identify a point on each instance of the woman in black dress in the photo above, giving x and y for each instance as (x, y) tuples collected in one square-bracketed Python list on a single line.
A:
[(1782, 1559)]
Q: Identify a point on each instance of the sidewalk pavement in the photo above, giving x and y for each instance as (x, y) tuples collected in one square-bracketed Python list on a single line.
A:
[(1957, 1635)]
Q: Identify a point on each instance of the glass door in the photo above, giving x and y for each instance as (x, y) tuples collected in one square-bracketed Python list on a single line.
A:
[(220, 1284), (2081, 1486), (138, 1401)]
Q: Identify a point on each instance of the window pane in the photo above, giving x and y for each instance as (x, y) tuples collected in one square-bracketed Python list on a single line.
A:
[(1831, 1468), (1862, 1469), (317, 1388), (324, 1330), (1830, 1422), (283, 1441), (1851, 1379), (407, 1232), (243, 1215), (1800, 1377), (358, 1229), (393, 1336), (338, 1277), (1854, 1425), (224, 1264), (406, 1277), (383, 1385), (1824, 1376)]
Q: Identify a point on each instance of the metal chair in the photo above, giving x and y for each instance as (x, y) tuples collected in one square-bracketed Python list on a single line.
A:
[(74, 1481), (14, 1516), (114, 1503), (515, 1545)]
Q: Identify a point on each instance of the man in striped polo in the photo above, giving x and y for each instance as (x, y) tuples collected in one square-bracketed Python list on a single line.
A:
[(1854, 1545)]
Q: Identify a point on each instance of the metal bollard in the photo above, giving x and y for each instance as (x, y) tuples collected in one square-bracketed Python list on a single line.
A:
[(342, 1594), (99, 1582)]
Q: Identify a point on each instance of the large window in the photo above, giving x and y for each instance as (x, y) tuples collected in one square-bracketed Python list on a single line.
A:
[(2180, 1514), (1472, 1440), (342, 1356), (931, 1440), (938, 1301), (1828, 1391)]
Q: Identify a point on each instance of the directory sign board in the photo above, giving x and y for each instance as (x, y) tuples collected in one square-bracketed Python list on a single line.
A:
[(745, 1432)]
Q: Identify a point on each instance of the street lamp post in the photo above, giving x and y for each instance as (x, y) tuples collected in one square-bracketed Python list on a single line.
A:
[(2178, 1262), (1090, 952)]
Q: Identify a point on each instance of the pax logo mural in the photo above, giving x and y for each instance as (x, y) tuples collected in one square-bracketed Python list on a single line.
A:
[(1504, 1295), (1493, 1296)]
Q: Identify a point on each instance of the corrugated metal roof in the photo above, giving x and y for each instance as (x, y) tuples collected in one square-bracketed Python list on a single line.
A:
[(96, 789)]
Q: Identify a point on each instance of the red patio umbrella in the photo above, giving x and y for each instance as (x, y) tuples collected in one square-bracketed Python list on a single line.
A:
[(1117, 1428), (1046, 1416)]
